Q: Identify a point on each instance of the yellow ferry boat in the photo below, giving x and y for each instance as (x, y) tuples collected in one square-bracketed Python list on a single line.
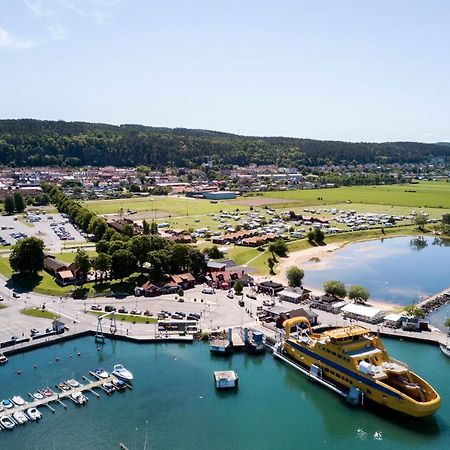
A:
[(354, 359)]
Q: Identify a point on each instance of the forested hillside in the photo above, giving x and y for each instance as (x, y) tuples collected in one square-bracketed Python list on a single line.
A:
[(38, 143)]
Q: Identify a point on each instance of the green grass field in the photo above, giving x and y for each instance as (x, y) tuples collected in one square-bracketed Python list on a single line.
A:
[(425, 194), (37, 312), (129, 317)]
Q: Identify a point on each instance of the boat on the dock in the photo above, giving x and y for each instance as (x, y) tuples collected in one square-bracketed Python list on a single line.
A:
[(47, 392), (119, 385), (109, 387), (3, 359), (255, 343), (79, 398), (445, 349), (18, 400), (226, 379), (37, 395), (20, 418), (64, 386), (122, 373), (72, 383), (354, 360), (34, 414), (101, 373), (7, 403), (7, 422)]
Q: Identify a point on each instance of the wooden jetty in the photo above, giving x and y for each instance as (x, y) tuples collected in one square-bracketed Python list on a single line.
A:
[(59, 396)]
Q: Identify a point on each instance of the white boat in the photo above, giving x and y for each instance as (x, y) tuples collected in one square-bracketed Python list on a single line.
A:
[(7, 403), (79, 398), (34, 414), (72, 383), (38, 395), (108, 388), (119, 385), (122, 373), (3, 359), (18, 400), (7, 422), (101, 373), (445, 349), (20, 417)]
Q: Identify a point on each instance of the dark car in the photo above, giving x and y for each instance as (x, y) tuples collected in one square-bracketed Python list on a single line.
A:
[(16, 295), (241, 303), (122, 310), (110, 308)]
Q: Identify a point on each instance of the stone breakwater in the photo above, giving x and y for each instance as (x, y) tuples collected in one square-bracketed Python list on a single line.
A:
[(434, 302)]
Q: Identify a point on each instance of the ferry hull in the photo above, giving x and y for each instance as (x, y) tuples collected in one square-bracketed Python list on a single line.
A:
[(377, 392)]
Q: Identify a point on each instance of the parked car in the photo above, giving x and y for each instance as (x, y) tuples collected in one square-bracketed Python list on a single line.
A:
[(241, 302), (122, 310), (230, 294), (251, 295), (16, 295), (96, 307), (135, 312), (208, 291), (110, 308), (1, 298), (34, 332)]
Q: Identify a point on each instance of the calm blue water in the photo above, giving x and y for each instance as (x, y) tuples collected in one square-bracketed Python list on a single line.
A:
[(398, 270), (275, 406)]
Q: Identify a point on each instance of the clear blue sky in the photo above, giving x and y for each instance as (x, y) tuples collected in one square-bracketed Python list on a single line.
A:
[(353, 70)]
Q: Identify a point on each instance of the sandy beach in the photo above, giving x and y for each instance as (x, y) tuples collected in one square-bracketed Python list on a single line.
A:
[(302, 257)]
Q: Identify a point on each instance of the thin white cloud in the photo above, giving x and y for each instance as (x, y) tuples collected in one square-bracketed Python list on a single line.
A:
[(8, 41), (57, 31)]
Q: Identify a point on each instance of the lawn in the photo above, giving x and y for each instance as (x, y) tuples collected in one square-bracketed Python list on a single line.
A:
[(38, 312), (161, 206), (69, 257), (129, 317), (424, 194)]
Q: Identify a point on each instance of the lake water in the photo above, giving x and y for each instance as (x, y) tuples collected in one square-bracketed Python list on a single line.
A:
[(274, 407), (397, 270)]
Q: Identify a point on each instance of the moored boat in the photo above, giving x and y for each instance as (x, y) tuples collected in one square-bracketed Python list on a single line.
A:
[(109, 387), (3, 359), (72, 383), (255, 343), (20, 418), (101, 373), (47, 392), (355, 360), (18, 400), (34, 414), (119, 385), (7, 422), (7, 403), (37, 395), (122, 373), (79, 398), (63, 386), (445, 349)]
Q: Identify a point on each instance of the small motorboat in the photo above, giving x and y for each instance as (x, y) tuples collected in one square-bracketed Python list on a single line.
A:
[(20, 418), (34, 414), (101, 373), (38, 395), (63, 386), (7, 403), (108, 388), (47, 392), (119, 385), (79, 398), (445, 349), (122, 373), (72, 383), (7, 422), (18, 400), (3, 359)]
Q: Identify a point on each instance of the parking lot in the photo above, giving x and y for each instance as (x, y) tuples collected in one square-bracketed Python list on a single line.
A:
[(54, 229)]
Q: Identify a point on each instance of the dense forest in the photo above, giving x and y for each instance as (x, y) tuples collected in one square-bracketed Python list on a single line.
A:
[(29, 142)]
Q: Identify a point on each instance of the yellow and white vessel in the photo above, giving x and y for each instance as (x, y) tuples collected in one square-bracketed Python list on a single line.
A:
[(353, 362)]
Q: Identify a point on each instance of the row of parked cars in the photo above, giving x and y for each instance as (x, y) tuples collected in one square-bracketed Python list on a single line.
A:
[(163, 315), (61, 232), (18, 236)]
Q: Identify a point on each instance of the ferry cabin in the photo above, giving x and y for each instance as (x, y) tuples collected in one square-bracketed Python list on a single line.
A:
[(352, 357)]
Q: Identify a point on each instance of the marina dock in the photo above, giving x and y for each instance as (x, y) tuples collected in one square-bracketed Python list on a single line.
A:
[(58, 397)]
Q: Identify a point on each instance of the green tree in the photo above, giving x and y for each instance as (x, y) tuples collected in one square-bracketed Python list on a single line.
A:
[(27, 256), (153, 228), (214, 252), (9, 205), (102, 263), (446, 219), (123, 264), (19, 202), (128, 230), (271, 264), (415, 311), (83, 264), (278, 248), (140, 246), (238, 288), (316, 235), (447, 323), (358, 293), (145, 227), (336, 288), (102, 246), (295, 276), (420, 221)]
